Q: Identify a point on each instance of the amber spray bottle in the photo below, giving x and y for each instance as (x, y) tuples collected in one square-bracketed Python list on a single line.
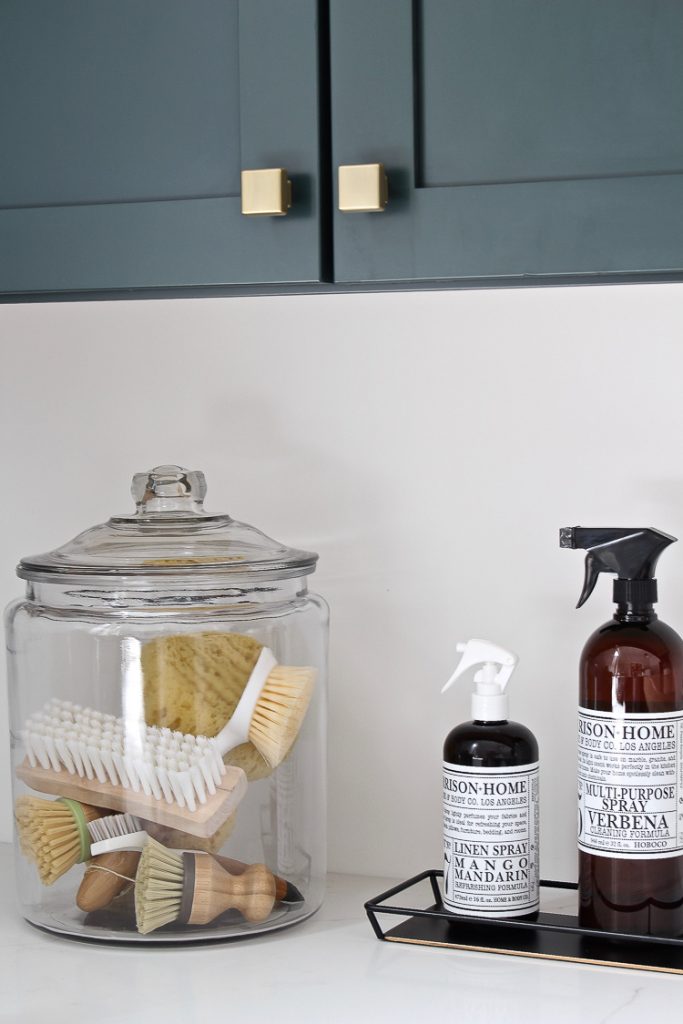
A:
[(630, 744), (490, 797)]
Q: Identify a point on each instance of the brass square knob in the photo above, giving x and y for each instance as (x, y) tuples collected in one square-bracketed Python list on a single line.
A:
[(362, 188), (266, 192)]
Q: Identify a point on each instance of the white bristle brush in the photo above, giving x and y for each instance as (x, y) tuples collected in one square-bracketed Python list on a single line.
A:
[(116, 832), (167, 765), (172, 766)]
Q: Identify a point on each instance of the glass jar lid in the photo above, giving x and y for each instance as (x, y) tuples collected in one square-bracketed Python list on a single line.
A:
[(169, 534)]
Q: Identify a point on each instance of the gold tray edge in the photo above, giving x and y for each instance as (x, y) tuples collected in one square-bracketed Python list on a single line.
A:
[(535, 956)]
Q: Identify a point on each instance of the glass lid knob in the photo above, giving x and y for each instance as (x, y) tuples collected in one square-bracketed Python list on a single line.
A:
[(169, 489)]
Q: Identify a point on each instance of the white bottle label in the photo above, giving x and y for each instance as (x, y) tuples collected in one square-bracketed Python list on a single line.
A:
[(491, 833), (630, 784)]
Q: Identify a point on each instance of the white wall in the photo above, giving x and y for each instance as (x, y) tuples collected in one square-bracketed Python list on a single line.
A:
[(427, 445)]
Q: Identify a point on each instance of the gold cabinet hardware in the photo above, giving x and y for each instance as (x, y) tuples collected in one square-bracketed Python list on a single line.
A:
[(363, 188), (266, 192)]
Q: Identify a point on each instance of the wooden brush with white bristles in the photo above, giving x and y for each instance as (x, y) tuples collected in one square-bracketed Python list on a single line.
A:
[(193, 888), (114, 757)]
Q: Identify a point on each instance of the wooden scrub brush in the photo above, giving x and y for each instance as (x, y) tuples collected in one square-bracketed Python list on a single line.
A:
[(175, 779), (193, 888), (161, 768)]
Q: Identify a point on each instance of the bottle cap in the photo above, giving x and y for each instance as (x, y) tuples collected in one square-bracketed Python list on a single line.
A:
[(489, 699)]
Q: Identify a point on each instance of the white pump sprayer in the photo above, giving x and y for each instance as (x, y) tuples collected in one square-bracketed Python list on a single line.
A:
[(489, 699)]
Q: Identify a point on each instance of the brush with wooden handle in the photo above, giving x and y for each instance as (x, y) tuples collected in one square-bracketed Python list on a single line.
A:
[(116, 853), (285, 892), (56, 834), (193, 888), (134, 844), (215, 890), (106, 876)]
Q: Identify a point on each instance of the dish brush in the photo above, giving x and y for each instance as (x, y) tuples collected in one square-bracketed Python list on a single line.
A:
[(193, 888), (121, 834), (106, 877), (271, 709), (57, 834), (176, 767), (53, 834)]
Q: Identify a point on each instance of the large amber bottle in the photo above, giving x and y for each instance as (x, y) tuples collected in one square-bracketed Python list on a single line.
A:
[(630, 745)]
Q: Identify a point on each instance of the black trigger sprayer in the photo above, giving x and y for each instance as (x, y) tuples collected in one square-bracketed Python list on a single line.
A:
[(631, 554)]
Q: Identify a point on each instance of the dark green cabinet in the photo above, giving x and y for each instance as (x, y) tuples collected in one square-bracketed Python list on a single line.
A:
[(125, 126), (523, 139)]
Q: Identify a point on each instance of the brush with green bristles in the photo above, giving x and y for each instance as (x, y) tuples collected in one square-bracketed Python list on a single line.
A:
[(194, 888)]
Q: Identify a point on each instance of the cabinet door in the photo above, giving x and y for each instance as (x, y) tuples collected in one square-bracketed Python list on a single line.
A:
[(523, 139), (125, 126)]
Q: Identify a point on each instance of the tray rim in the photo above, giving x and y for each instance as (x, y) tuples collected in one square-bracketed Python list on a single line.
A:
[(545, 921)]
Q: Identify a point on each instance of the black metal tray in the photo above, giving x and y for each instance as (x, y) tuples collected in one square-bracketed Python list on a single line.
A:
[(549, 936)]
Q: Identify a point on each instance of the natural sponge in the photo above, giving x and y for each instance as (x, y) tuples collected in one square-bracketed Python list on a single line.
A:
[(193, 682), (252, 763)]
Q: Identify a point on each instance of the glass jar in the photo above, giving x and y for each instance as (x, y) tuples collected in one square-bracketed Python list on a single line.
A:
[(167, 676)]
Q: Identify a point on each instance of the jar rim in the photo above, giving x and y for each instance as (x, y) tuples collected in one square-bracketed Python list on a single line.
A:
[(43, 573)]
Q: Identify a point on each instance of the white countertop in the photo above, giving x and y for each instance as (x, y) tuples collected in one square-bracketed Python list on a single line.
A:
[(328, 969)]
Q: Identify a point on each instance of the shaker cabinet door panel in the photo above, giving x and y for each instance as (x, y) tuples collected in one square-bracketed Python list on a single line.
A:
[(126, 125), (522, 139)]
